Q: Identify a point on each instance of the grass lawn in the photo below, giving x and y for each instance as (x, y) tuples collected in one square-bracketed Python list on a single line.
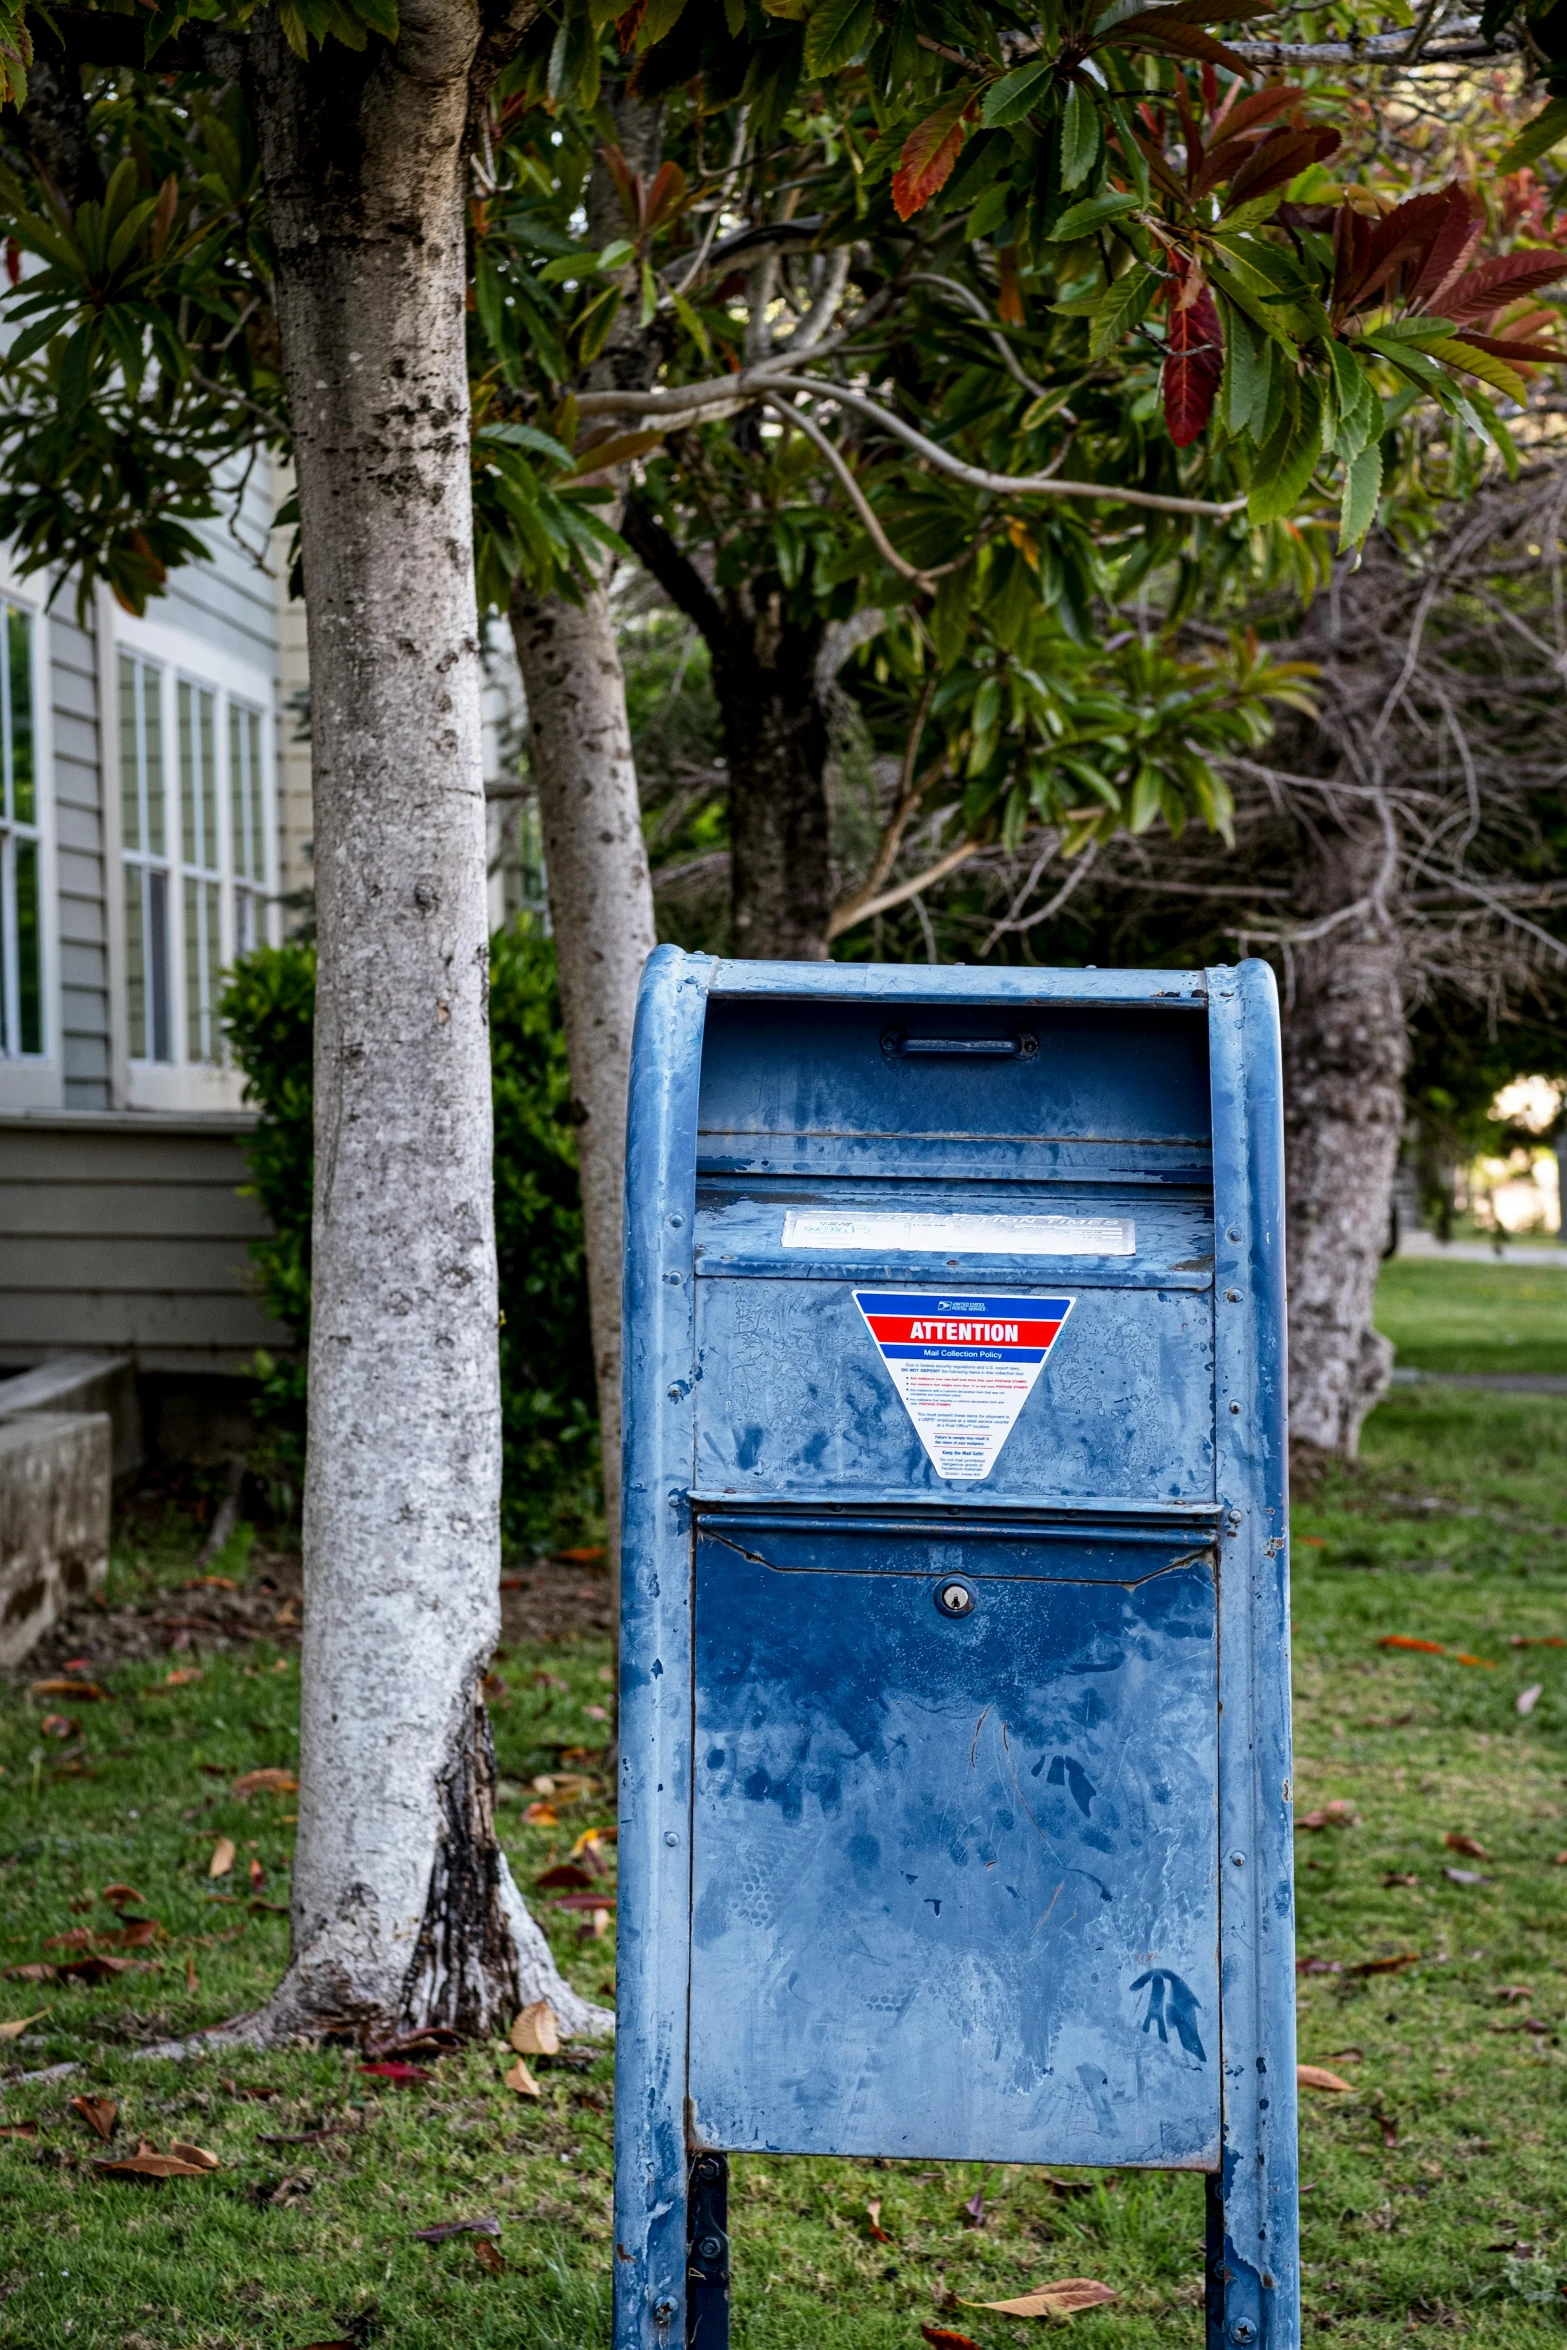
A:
[(1462, 1317), (1434, 2190)]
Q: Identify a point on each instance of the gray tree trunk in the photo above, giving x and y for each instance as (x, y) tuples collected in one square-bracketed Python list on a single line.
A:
[(601, 908), (403, 1912), (1345, 1053)]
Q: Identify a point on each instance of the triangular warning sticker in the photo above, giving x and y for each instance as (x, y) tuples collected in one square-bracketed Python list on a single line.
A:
[(964, 1366)]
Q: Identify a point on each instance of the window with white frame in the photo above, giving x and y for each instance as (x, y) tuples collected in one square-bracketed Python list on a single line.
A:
[(144, 841), (247, 825), (194, 846), (21, 888)]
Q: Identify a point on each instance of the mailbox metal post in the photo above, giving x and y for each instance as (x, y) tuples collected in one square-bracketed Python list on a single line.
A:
[(980, 1644)]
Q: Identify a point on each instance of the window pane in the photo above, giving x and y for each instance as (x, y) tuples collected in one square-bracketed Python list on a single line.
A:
[(195, 1043), (158, 966), (205, 706), (29, 949), (239, 832), (258, 846), (130, 763), (244, 922), (184, 696), (19, 661), (212, 945), (135, 965), (152, 722)]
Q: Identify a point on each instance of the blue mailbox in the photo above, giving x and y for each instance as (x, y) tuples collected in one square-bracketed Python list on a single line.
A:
[(955, 1801)]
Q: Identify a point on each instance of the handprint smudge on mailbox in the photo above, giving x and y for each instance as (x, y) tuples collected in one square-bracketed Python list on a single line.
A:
[(1170, 2001)]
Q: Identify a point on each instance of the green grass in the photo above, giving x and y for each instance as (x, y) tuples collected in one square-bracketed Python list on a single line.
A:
[(1450, 2150), (1463, 1317)]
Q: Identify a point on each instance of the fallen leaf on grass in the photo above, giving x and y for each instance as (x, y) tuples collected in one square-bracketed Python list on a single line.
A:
[(181, 1676), (96, 1968), (1066, 2298), (565, 1877), (1399, 1877), (1337, 1814), (98, 2113), (1318, 1966), (199, 2155), (1389, 2129), (942, 2338), (277, 1909), (148, 2163), (19, 2024), (877, 2233), (1465, 1877), (75, 1938), (542, 1815), (490, 2258), (271, 1781), (84, 1692), (1486, 1663), (18, 2130), (192, 1979), (595, 1713), (1402, 1640), (489, 2226), (1511, 1991), (222, 1857), (1313, 1541), (37, 1970), (124, 1897), (1528, 1699), (59, 1726), (1470, 1844), (520, 2079), (1317, 2076), (536, 2032), (1384, 1966), (584, 1901), (587, 1844), (974, 2209), (1065, 2186), (404, 2076), (258, 1875)]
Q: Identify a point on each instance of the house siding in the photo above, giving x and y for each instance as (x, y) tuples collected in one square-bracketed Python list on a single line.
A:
[(80, 870), (229, 601)]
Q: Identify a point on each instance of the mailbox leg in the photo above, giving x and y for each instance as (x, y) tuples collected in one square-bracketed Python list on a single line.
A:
[(707, 2254), (1213, 2263)]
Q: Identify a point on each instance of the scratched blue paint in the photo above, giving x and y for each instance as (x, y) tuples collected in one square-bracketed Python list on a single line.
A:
[(1012, 1883), (934, 1860)]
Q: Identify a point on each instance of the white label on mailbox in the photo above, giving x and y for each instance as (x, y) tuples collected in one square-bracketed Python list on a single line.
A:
[(964, 1366), (837, 1232)]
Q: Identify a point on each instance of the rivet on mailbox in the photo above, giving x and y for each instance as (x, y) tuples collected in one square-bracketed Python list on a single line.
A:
[(921, 1269)]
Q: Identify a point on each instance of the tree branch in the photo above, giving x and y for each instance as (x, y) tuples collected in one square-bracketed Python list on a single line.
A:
[(676, 574)]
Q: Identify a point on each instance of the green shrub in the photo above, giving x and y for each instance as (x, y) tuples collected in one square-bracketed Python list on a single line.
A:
[(550, 1493)]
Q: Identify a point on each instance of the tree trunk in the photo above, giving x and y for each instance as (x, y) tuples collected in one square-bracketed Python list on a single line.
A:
[(404, 1913), (601, 907), (780, 830), (1345, 1052)]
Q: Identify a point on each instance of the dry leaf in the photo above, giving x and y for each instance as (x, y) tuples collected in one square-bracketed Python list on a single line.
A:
[(1338, 1814), (37, 1970), (148, 2163), (59, 1726), (1060, 2186), (1512, 1991), (268, 1782), (596, 1928), (942, 2338), (192, 1979), (182, 1676), (1399, 1877), (541, 1815), (520, 2079), (1470, 1844), (1401, 1640), (594, 1901), (1066, 2298), (18, 2130), (536, 2032), (222, 1857), (19, 2024), (1486, 1663), (403, 2076), (98, 2113), (1384, 1966), (85, 1692), (196, 2154), (591, 1838), (489, 2226), (565, 1877), (76, 1938), (123, 1897), (878, 2233), (975, 2209), (1465, 1877), (258, 1875), (96, 1968), (1316, 2076), (1529, 1698), (490, 2257)]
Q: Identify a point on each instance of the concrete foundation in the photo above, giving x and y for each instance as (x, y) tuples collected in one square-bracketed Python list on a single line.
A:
[(56, 1473)]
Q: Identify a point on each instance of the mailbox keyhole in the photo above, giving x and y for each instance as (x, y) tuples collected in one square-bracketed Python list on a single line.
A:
[(954, 1598)]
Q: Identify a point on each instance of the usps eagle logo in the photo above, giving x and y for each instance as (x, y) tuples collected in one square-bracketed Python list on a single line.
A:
[(964, 1366)]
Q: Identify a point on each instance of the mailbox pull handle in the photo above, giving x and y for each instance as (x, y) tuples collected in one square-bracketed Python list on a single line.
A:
[(1021, 1047)]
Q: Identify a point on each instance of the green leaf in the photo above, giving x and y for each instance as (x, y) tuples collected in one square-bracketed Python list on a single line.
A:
[(1079, 136), (1079, 220), (1144, 805), (1547, 130), (1362, 490), (594, 324), (692, 324), (1128, 301), (836, 33), (1288, 459), (526, 436), (989, 212), (1010, 99), (1453, 351)]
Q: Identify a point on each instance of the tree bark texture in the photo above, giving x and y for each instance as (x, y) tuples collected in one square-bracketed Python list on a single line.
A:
[(601, 908), (403, 1911), (1345, 1053)]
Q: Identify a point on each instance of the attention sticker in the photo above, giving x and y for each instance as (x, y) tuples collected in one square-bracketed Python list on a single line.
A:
[(964, 1366)]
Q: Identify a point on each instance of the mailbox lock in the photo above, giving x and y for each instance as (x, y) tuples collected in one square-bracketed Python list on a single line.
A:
[(954, 1599)]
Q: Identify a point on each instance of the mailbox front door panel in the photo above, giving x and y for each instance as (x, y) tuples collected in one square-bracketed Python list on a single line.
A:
[(975, 1853)]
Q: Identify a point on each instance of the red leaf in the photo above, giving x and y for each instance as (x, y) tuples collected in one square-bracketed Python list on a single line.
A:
[(1150, 32), (1518, 354), (1277, 159), (1009, 300), (929, 153), (565, 1877), (1193, 368), (1402, 1640), (941, 2338), (1495, 283), (405, 2075), (1454, 244)]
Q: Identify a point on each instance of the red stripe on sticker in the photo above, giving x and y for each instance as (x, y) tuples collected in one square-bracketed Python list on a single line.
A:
[(950, 1330)]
